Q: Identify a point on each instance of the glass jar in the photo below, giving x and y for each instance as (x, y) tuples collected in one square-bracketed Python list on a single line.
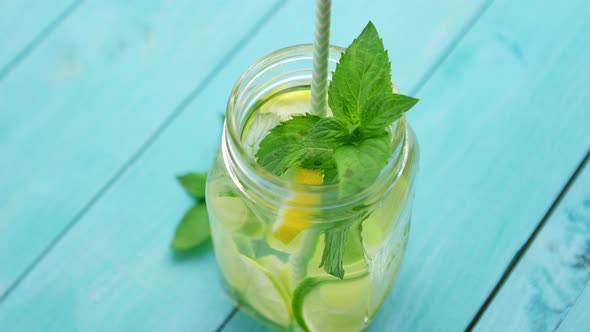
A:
[(270, 232)]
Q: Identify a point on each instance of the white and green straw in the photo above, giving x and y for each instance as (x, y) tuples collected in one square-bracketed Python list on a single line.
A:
[(321, 45)]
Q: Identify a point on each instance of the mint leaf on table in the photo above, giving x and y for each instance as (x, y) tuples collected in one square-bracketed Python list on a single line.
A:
[(193, 229), (194, 184)]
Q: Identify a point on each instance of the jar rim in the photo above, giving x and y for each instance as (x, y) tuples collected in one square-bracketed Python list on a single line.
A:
[(246, 164)]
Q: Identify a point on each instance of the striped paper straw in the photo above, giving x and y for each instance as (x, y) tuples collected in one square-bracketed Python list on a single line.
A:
[(321, 45)]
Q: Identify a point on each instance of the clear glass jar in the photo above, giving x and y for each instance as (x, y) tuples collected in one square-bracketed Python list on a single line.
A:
[(278, 279)]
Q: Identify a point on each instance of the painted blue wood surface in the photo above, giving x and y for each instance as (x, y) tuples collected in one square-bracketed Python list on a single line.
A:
[(76, 110), (115, 271), (495, 153), (24, 24), (137, 216), (502, 124), (577, 318), (551, 277)]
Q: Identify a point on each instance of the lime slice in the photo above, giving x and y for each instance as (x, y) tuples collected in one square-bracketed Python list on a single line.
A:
[(329, 304), (230, 212), (280, 272), (262, 293), (233, 215), (253, 282)]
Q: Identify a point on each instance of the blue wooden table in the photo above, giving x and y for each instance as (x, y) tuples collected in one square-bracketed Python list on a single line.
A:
[(103, 102)]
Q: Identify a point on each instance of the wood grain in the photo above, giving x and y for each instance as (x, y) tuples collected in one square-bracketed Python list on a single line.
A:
[(119, 247), (24, 24), (577, 318), (550, 278), (89, 97)]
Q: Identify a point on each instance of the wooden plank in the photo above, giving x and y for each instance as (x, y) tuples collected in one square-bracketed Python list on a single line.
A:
[(89, 97), (119, 248), (552, 275), (24, 24), (115, 271), (503, 123), (577, 318)]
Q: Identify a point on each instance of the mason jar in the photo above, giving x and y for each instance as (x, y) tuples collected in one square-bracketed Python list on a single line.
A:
[(270, 232)]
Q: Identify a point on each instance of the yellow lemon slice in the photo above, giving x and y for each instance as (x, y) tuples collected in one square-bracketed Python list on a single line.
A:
[(295, 216)]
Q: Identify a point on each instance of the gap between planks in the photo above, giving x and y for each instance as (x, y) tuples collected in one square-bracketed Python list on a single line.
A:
[(524, 248), (227, 319), (145, 146), (32, 45)]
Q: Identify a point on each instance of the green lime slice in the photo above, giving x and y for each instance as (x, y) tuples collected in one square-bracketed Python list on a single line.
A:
[(328, 304), (279, 271), (230, 212), (258, 285), (233, 215), (263, 293)]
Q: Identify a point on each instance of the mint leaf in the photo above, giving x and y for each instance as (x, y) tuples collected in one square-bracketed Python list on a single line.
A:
[(360, 165), (333, 254), (318, 154), (194, 184), (380, 111), (193, 229), (330, 173), (363, 71), (288, 145), (282, 147), (354, 250), (331, 129), (336, 240)]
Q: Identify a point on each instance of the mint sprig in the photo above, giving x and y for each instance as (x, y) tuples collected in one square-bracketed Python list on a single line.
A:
[(363, 71), (290, 144), (193, 228), (352, 147)]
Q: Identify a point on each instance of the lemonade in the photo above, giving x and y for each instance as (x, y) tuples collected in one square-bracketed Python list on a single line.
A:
[(269, 233)]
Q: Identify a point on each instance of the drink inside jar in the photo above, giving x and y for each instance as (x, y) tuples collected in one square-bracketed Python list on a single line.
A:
[(270, 260)]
